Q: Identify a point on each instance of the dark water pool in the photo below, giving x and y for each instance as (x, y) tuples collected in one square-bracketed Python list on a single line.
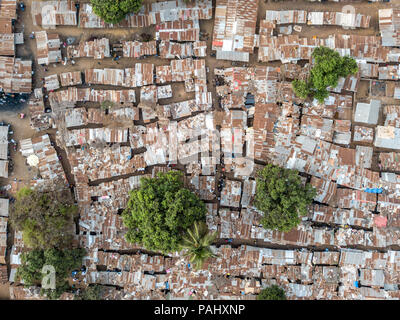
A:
[(13, 101)]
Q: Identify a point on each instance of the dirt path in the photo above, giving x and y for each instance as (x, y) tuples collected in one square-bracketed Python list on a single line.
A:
[(21, 130), (4, 292)]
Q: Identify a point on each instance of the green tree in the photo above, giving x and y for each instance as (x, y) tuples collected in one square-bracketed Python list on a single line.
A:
[(113, 11), (159, 212), (301, 88), (45, 218), (93, 292), (106, 105), (281, 196), (328, 67), (30, 269), (272, 293), (63, 261), (196, 242)]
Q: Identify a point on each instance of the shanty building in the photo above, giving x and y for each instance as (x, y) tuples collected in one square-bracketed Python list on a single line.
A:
[(49, 165), (48, 47), (80, 137), (76, 117), (387, 137), (7, 38), (3, 239), (179, 30), (390, 161), (363, 134), (112, 77), (231, 193), (234, 29), (148, 95), (50, 14), (8, 9), (51, 82), (286, 17), (163, 74), (392, 115), (67, 98), (3, 274), (4, 168), (70, 78), (3, 142), (15, 75), (367, 112), (164, 92), (342, 132), (172, 50), (389, 24), (39, 120), (136, 49), (92, 163), (96, 49), (7, 43), (150, 14), (343, 19), (4, 206)]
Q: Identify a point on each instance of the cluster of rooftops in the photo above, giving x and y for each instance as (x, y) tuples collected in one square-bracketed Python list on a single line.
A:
[(346, 247)]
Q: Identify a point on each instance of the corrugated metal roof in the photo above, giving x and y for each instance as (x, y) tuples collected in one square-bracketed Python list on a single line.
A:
[(49, 14), (151, 13), (97, 49), (234, 29), (15, 75)]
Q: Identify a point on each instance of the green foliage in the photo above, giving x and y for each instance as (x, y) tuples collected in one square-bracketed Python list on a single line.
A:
[(63, 261), (92, 292), (31, 266), (160, 211), (328, 67), (113, 11), (321, 95), (281, 196), (301, 88), (106, 105), (196, 242), (45, 218), (272, 293), (57, 292)]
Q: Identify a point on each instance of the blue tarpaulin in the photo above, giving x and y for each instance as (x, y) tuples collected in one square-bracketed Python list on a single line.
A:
[(373, 190)]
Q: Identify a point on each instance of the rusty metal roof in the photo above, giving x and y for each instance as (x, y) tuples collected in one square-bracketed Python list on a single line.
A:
[(97, 49), (15, 75), (53, 13)]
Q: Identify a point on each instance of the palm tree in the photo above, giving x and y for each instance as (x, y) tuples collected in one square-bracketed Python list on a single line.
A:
[(196, 242)]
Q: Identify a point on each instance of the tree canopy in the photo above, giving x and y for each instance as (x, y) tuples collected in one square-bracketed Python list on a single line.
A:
[(92, 292), (63, 261), (45, 218), (160, 211), (281, 196), (328, 67), (196, 242), (272, 293), (107, 104), (113, 11)]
